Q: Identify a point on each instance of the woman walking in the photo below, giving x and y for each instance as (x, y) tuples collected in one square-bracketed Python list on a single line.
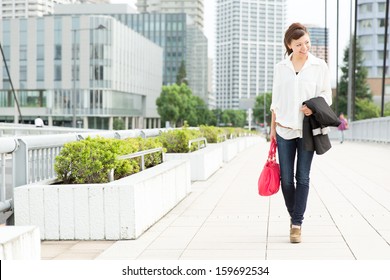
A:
[(299, 77)]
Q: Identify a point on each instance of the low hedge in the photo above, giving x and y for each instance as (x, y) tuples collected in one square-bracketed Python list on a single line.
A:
[(176, 141), (91, 160), (213, 134)]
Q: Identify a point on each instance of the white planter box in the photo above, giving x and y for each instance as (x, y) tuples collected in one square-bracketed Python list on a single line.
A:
[(230, 149), (122, 209), (204, 162), (20, 243)]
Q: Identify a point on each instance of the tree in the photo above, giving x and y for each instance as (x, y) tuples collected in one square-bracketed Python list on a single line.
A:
[(176, 104), (363, 96), (186, 105), (181, 76), (215, 118), (387, 109), (168, 104), (234, 118), (366, 109), (258, 110), (203, 114)]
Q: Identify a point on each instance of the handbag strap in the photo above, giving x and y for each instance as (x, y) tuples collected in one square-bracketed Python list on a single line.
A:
[(272, 150)]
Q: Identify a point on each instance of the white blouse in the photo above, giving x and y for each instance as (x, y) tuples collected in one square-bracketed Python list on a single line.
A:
[(290, 90)]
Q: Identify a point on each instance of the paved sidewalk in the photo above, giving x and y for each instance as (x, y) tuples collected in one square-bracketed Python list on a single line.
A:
[(347, 218)]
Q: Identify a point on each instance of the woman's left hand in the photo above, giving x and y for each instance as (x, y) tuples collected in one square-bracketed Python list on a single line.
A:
[(306, 110)]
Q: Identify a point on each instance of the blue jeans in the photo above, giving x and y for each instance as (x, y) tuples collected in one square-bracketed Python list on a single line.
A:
[(295, 195)]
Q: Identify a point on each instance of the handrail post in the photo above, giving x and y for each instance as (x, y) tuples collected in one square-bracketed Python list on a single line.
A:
[(138, 154), (20, 163)]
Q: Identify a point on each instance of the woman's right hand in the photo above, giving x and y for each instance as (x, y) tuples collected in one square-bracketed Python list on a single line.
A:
[(272, 134)]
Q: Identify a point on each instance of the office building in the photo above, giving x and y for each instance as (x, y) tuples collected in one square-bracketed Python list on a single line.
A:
[(371, 18), (91, 68), (180, 38), (370, 33), (193, 8), (35, 8), (319, 39), (249, 42)]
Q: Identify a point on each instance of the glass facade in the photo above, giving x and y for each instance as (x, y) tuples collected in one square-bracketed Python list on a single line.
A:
[(249, 42), (71, 64), (370, 34), (180, 41)]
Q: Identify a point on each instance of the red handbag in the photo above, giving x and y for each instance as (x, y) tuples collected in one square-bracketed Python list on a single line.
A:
[(269, 180)]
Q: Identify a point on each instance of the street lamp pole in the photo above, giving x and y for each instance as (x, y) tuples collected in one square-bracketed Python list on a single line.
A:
[(74, 72), (74, 80)]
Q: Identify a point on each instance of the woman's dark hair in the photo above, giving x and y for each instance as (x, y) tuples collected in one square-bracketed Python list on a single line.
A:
[(294, 32)]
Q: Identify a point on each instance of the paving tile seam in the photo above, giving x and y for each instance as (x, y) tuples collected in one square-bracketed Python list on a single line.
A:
[(199, 192), (239, 160), (333, 220), (333, 212), (354, 204)]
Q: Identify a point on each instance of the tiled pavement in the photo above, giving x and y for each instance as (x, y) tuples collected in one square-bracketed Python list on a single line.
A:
[(348, 215)]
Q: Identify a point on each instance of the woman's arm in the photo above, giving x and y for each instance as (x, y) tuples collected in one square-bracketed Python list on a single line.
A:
[(273, 126)]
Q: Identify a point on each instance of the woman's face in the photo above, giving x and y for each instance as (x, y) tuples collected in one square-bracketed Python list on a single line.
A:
[(301, 46)]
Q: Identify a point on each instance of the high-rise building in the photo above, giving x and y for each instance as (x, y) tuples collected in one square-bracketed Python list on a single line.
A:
[(249, 42), (319, 39), (370, 34), (193, 8), (35, 8), (29, 8), (93, 69)]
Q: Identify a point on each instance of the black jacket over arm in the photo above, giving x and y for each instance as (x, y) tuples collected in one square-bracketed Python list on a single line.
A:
[(315, 131)]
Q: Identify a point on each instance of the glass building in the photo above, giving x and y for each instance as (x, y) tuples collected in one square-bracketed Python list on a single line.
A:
[(181, 39), (92, 68), (249, 42), (370, 33), (319, 39), (193, 8)]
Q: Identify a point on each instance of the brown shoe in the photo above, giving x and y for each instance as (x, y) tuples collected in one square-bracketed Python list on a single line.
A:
[(295, 235)]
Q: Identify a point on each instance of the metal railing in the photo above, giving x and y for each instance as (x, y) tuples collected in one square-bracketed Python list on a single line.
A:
[(197, 140), (7, 147), (8, 129), (373, 130), (141, 154), (221, 138), (31, 158)]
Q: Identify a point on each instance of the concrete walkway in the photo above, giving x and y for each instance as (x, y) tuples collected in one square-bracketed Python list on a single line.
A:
[(347, 218)]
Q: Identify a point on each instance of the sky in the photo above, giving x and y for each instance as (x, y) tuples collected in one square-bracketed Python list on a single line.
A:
[(304, 11)]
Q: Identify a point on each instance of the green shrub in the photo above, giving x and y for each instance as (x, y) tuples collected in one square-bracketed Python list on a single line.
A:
[(91, 160), (212, 134), (87, 161), (176, 141), (126, 167), (151, 143)]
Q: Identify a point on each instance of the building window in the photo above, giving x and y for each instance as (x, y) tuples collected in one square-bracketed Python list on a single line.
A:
[(98, 72), (365, 40), (57, 52), (40, 52), (367, 55), (57, 73), (381, 7), (366, 24), (365, 8), (23, 52), (381, 39), (40, 73), (23, 73)]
